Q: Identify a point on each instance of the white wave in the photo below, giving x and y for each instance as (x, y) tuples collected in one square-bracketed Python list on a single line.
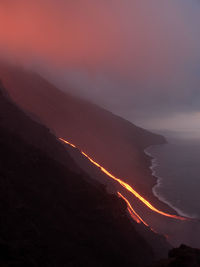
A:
[(153, 167)]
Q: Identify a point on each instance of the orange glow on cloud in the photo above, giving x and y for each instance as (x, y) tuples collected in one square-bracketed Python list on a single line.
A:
[(122, 49), (117, 35)]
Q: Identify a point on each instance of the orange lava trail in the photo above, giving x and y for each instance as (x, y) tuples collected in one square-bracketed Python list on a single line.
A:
[(135, 216), (127, 186), (132, 212)]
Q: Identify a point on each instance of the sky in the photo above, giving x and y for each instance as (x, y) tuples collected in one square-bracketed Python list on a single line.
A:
[(140, 59)]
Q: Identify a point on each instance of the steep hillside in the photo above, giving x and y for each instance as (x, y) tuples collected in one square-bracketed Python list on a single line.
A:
[(112, 141), (16, 121), (51, 215)]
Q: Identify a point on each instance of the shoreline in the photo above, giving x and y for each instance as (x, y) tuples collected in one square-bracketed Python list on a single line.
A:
[(152, 167)]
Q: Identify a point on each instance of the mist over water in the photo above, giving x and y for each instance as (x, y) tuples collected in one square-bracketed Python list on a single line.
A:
[(177, 168)]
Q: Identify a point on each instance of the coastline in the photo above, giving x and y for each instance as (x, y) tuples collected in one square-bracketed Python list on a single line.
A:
[(152, 167)]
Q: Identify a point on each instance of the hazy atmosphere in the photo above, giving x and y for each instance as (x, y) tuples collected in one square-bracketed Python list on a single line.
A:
[(100, 133), (139, 59)]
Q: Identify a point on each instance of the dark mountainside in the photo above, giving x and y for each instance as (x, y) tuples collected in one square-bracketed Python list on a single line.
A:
[(51, 215), (115, 143), (112, 141)]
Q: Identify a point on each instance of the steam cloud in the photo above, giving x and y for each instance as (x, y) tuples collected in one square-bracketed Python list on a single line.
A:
[(137, 58)]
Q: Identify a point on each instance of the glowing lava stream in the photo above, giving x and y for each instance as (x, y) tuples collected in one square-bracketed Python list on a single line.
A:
[(127, 186), (132, 212)]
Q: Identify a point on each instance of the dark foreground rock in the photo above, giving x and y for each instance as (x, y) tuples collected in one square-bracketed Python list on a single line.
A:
[(183, 256)]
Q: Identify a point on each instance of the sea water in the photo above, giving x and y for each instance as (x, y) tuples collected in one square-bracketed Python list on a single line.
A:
[(176, 165)]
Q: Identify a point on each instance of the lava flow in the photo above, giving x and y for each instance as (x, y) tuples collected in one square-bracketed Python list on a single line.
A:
[(131, 211), (126, 186)]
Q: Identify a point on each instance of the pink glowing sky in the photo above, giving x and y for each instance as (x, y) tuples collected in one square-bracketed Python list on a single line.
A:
[(140, 59)]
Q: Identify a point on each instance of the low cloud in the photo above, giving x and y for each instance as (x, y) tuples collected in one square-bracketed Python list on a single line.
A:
[(138, 58)]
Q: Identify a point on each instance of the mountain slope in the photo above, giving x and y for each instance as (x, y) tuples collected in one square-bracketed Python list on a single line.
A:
[(112, 141), (50, 214)]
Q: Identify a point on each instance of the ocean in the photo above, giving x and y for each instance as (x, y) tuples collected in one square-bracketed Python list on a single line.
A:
[(176, 166)]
